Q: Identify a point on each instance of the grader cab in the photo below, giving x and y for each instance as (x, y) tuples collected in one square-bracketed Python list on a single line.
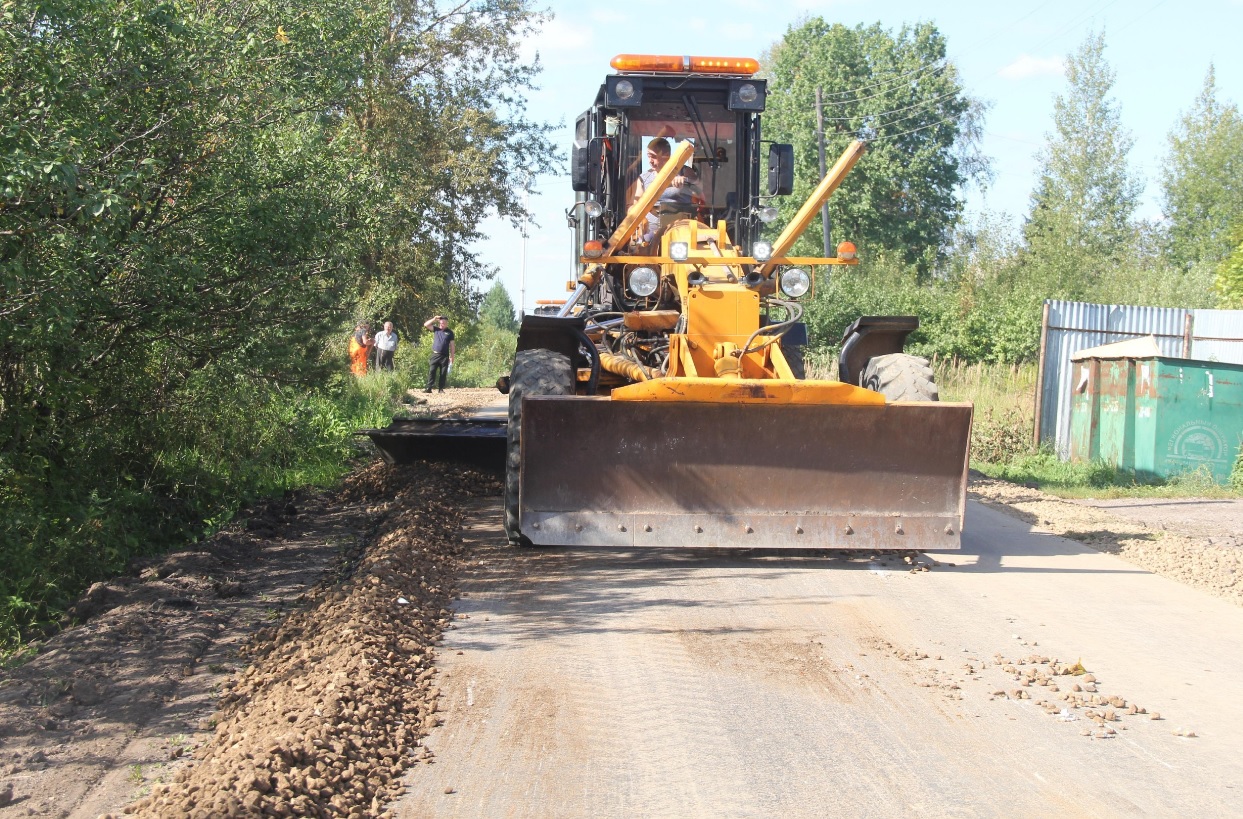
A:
[(665, 403)]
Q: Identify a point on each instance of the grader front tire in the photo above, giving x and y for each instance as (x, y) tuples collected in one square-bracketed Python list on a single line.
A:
[(535, 372)]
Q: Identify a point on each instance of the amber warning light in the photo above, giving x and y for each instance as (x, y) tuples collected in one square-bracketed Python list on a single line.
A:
[(672, 64)]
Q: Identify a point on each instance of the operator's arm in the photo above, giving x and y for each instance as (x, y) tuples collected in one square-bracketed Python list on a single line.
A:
[(428, 324), (452, 349)]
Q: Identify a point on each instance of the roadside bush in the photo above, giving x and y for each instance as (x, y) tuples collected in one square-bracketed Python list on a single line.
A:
[(63, 527), (999, 436), (965, 315)]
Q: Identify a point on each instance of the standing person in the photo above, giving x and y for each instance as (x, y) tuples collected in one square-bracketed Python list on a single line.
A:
[(443, 351), (360, 348), (385, 346)]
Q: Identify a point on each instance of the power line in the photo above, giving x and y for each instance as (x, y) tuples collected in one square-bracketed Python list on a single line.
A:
[(920, 104), (937, 64)]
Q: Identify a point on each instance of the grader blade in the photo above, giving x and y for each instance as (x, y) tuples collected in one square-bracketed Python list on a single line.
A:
[(600, 472)]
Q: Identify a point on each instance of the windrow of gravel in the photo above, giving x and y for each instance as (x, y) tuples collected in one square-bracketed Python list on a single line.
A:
[(1211, 567), (329, 712)]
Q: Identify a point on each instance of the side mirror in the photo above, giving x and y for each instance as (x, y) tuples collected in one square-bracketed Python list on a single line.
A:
[(780, 169), (580, 176)]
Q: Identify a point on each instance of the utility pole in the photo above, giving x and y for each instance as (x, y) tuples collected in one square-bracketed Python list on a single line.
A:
[(824, 209), (522, 276)]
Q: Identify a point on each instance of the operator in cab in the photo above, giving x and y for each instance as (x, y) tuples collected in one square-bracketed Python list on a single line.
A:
[(682, 193)]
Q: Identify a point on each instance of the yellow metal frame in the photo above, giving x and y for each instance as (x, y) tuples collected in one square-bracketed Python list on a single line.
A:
[(748, 391), (818, 197), (707, 361)]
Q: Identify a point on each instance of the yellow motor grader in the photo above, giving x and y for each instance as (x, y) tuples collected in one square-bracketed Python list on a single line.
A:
[(665, 404)]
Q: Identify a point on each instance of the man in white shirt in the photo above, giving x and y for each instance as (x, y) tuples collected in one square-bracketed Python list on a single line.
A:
[(385, 345)]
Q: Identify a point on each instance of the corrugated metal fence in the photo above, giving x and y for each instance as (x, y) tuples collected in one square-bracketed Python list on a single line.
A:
[(1070, 326)]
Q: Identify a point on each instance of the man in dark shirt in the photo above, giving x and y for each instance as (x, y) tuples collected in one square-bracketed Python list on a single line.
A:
[(443, 351)]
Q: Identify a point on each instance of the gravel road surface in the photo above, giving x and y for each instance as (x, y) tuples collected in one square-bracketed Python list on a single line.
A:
[(600, 683)]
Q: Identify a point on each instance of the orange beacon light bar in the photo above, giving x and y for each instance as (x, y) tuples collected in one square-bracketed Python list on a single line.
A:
[(673, 64)]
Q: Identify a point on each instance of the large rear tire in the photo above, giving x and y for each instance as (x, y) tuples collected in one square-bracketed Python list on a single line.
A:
[(901, 377), (795, 358), (535, 372)]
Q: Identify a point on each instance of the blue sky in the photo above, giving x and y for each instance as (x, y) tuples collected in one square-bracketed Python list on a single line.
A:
[(1009, 54)]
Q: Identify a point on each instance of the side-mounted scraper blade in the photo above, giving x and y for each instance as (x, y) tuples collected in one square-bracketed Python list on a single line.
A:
[(601, 472)]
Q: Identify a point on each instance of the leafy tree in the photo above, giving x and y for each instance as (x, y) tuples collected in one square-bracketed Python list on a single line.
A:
[(1229, 283), (899, 90), (442, 115), (1203, 179), (1080, 221), (497, 309)]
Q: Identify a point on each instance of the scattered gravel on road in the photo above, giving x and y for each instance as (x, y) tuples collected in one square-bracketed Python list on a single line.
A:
[(454, 401)]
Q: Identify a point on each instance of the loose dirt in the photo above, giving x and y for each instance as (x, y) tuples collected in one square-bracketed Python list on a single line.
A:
[(283, 667), (453, 403)]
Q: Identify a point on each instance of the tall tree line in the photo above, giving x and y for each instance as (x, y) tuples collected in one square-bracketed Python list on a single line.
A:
[(978, 286)]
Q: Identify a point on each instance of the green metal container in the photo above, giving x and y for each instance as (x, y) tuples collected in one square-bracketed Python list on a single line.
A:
[(1158, 417)]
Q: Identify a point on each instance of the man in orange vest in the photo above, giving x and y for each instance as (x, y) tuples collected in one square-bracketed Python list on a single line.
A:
[(360, 348)]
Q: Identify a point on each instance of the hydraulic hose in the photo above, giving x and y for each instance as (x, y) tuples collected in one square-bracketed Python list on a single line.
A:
[(794, 311), (626, 368)]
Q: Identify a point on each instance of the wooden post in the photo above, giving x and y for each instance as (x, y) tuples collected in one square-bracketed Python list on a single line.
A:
[(1044, 340), (1188, 325), (824, 208)]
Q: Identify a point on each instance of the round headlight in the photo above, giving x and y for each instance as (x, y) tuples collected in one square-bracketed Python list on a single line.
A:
[(624, 89), (795, 282), (592, 208), (762, 251), (747, 93), (643, 281), (768, 215)]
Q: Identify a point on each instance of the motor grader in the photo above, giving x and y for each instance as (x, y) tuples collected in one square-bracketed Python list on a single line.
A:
[(665, 403)]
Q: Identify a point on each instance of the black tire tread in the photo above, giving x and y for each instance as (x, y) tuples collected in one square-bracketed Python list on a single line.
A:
[(535, 372), (901, 377), (796, 359)]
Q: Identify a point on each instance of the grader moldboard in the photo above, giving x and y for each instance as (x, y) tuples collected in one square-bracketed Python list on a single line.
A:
[(664, 404)]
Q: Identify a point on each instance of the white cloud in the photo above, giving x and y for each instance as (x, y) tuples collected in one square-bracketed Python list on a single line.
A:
[(558, 38), (1027, 66)]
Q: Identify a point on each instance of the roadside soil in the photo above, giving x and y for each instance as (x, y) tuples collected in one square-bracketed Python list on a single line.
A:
[(282, 667), (452, 402), (1196, 542), (287, 665)]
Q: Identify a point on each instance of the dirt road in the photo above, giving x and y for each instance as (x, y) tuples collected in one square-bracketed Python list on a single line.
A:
[(592, 683), (295, 663)]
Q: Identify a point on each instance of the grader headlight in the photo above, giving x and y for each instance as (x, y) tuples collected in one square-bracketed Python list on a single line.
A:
[(795, 282), (762, 251), (679, 251), (644, 281)]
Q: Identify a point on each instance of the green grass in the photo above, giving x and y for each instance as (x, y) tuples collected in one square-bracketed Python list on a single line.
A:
[(1097, 479), (68, 528)]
